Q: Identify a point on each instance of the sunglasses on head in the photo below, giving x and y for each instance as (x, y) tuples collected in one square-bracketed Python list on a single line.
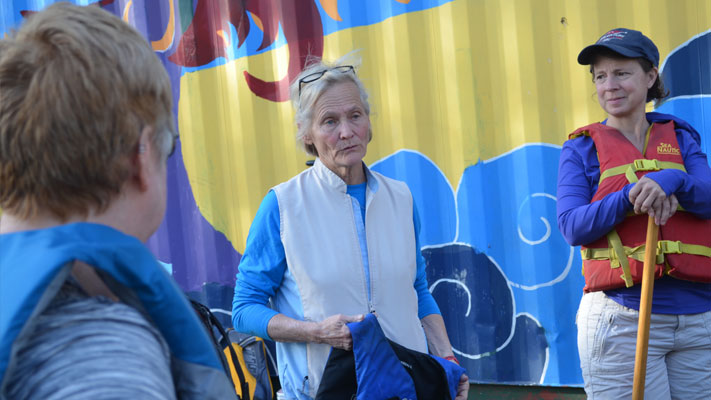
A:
[(317, 75)]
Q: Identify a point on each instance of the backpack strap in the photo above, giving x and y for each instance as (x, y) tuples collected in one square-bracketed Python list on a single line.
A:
[(209, 321)]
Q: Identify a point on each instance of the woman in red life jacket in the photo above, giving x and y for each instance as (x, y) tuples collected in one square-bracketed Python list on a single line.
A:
[(612, 176)]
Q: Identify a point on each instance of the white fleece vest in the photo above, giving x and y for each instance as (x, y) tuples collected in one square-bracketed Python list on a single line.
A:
[(323, 254)]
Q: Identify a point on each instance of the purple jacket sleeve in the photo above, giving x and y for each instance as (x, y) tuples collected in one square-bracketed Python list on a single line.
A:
[(580, 221)]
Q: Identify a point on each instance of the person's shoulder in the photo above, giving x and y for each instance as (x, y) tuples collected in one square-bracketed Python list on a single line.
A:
[(684, 130), (391, 182), (86, 329), (382, 177), (295, 179), (585, 131), (390, 187), (579, 148), (579, 140), (689, 140), (74, 307)]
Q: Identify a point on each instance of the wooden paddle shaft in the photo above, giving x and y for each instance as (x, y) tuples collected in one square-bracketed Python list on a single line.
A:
[(645, 310)]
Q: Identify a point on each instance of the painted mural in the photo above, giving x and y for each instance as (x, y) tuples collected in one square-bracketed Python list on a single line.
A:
[(471, 101)]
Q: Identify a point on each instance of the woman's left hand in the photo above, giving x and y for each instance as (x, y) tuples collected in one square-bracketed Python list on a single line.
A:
[(463, 388), (648, 197)]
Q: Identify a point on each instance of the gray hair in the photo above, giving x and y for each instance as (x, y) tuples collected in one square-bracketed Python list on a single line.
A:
[(310, 92)]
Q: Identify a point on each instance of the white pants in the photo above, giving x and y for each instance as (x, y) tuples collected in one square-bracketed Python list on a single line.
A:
[(678, 362)]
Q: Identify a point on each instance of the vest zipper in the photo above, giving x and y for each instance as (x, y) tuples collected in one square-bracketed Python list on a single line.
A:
[(367, 280)]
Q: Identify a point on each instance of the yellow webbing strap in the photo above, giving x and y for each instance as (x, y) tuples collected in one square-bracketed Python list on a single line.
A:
[(641, 164), (636, 253), (677, 247), (646, 138), (618, 257), (579, 134), (631, 176), (614, 171)]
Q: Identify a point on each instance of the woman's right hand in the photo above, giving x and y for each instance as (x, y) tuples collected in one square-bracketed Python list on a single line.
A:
[(333, 331), (669, 207)]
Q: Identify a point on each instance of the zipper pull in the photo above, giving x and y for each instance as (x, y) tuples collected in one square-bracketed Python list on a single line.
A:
[(371, 308)]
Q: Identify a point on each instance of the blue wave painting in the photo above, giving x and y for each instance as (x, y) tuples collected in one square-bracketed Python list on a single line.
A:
[(686, 73), (507, 283)]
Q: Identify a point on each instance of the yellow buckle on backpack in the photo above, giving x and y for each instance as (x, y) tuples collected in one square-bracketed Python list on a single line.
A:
[(644, 164), (669, 247)]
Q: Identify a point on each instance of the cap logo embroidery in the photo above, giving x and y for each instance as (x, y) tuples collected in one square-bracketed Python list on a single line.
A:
[(666, 148), (614, 34)]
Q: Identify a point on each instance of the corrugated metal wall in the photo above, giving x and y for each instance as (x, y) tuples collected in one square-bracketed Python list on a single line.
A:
[(471, 101)]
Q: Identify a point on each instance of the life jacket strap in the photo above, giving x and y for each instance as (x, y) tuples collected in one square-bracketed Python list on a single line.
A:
[(636, 253), (579, 134), (618, 257), (641, 164), (677, 247), (619, 254)]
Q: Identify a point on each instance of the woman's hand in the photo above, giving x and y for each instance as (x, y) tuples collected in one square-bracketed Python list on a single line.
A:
[(648, 197), (463, 388), (669, 207), (333, 331)]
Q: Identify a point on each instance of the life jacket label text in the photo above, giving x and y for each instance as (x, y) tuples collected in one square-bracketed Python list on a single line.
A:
[(666, 148)]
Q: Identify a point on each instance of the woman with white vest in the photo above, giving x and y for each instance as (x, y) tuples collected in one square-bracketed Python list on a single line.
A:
[(333, 243)]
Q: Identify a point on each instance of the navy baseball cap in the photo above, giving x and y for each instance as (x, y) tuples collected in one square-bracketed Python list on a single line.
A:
[(626, 42)]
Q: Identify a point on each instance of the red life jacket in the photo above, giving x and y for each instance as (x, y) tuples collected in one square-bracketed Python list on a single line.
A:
[(616, 259)]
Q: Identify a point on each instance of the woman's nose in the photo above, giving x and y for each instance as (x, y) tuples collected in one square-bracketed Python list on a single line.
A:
[(611, 83), (345, 131)]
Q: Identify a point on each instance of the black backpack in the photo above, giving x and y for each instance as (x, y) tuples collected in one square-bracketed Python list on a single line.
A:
[(243, 357)]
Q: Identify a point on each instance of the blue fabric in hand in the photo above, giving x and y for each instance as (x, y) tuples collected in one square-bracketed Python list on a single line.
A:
[(378, 370)]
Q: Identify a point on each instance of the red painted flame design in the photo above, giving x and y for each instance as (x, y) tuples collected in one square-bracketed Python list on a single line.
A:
[(300, 21), (204, 40)]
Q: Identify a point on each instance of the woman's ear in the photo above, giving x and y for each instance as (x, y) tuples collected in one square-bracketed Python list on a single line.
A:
[(652, 74), (144, 159), (307, 136)]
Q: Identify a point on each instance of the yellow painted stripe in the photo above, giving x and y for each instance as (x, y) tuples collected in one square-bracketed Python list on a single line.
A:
[(465, 81)]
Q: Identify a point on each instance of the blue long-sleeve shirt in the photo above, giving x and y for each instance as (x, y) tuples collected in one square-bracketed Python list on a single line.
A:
[(583, 222), (264, 263)]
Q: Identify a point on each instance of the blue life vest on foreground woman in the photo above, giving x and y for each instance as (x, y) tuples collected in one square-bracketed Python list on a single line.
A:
[(35, 264)]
